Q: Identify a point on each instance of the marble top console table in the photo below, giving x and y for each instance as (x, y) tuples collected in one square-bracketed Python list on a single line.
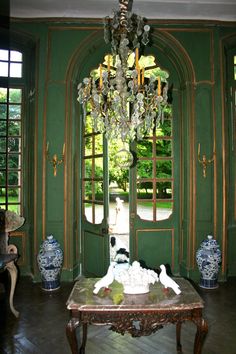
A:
[(138, 315)]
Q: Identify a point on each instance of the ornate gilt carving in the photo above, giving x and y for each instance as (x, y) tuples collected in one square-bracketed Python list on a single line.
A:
[(136, 323)]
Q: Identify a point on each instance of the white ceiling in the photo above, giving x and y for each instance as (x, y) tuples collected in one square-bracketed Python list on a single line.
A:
[(223, 10)]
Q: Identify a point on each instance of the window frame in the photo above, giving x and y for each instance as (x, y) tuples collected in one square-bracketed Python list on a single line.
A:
[(14, 83)]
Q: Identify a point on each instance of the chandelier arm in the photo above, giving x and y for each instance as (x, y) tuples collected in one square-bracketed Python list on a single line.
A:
[(123, 13)]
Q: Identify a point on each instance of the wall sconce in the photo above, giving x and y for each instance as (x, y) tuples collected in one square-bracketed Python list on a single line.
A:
[(204, 161), (54, 160)]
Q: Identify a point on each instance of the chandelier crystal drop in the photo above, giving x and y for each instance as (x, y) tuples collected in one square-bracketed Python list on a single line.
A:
[(127, 94)]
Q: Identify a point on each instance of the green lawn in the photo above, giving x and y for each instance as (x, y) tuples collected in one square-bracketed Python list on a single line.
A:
[(14, 208), (164, 205)]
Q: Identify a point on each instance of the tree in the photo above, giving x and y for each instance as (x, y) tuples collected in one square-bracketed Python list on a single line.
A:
[(10, 134)]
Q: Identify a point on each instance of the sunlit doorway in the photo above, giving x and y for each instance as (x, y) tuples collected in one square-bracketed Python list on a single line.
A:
[(128, 208), (118, 204)]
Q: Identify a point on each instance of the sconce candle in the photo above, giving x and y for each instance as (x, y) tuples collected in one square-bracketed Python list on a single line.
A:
[(204, 161), (54, 160)]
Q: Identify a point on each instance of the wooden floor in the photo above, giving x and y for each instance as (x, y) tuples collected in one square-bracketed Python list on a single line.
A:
[(43, 317)]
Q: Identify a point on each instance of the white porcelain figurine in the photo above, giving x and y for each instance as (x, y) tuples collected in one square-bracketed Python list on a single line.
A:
[(167, 281)]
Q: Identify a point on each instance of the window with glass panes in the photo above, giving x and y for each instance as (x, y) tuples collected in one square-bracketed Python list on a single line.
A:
[(11, 94), (92, 173), (155, 172)]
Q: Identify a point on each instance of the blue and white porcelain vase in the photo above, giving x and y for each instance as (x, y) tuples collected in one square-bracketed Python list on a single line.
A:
[(208, 258), (50, 259)]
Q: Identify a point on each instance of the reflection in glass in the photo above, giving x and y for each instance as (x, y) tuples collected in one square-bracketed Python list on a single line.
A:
[(144, 210), (88, 190), (2, 163), (14, 128), (164, 129), (144, 190), (14, 144), (155, 173), (2, 191), (93, 212), (98, 190), (3, 111), (88, 168), (144, 169), (14, 192), (3, 69), (15, 95), (4, 54), (98, 144), (144, 148), (164, 147), (164, 190), (163, 210), (99, 213), (88, 125), (14, 161), (14, 178), (15, 70), (3, 145), (164, 169), (98, 167), (88, 146), (14, 111), (15, 56), (10, 132), (14, 207), (3, 94)]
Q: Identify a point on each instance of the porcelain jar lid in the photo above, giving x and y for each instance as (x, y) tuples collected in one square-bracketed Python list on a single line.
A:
[(50, 243), (209, 243)]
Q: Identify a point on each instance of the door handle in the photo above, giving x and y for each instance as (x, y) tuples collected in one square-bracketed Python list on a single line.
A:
[(105, 230)]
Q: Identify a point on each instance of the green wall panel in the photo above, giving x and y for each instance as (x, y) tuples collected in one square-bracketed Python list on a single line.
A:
[(20, 240), (156, 246), (197, 43), (63, 43), (94, 252), (55, 136)]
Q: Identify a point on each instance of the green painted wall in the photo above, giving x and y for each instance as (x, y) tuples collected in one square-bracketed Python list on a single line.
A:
[(64, 54)]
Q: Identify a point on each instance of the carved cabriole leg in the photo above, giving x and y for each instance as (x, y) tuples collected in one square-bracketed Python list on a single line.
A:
[(84, 339), (13, 273), (178, 336), (202, 329), (71, 334)]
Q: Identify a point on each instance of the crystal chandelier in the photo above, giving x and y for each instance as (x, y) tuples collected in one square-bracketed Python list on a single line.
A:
[(125, 96)]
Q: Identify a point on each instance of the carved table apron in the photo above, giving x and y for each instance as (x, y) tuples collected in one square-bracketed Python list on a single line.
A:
[(138, 315)]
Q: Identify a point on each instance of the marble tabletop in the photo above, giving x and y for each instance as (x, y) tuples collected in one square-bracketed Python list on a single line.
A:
[(83, 299)]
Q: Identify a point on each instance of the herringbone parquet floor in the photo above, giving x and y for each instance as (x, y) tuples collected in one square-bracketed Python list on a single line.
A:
[(43, 317)]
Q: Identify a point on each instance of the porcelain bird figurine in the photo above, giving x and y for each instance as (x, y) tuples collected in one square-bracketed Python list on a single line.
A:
[(167, 281), (105, 281)]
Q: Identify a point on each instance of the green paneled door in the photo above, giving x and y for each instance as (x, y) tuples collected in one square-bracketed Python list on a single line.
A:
[(95, 239), (155, 197)]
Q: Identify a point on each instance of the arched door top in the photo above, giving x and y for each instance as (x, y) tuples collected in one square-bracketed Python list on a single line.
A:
[(168, 46)]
